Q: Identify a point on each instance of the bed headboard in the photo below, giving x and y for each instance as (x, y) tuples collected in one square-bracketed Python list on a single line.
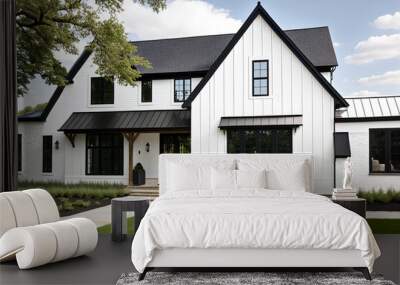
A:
[(210, 159)]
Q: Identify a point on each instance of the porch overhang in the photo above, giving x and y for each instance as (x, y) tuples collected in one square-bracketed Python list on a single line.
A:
[(128, 121), (277, 121)]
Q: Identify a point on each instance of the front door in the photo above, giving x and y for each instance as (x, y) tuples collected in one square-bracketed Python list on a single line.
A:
[(174, 143)]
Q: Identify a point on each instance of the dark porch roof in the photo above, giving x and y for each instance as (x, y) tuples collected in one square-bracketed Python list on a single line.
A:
[(124, 121), (261, 121)]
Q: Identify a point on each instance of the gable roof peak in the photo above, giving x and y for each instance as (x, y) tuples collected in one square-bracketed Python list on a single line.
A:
[(259, 10)]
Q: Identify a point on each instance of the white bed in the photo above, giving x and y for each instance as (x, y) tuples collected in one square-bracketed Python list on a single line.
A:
[(232, 226)]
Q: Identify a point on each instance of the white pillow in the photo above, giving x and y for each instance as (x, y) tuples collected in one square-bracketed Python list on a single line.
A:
[(182, 177), (223, 179), (282, 174), (293, 177), (251, 178)]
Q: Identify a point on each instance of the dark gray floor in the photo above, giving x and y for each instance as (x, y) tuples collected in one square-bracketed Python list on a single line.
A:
[(103, 266), (110, 260)]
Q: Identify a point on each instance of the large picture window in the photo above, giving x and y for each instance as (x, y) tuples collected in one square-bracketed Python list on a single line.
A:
[(174, 143), (182, 89), (260, 78), (384, 149), (104, 154), (260, 141), (147, 91), (47, 159), (102, 91)]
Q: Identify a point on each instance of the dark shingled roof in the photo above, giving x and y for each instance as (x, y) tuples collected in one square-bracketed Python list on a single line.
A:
[(138, 121), (199, 53)]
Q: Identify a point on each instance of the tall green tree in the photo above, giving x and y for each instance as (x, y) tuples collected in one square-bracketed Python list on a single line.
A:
[(46, 26)]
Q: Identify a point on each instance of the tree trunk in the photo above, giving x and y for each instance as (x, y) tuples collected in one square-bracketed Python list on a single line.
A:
[(8, 98)]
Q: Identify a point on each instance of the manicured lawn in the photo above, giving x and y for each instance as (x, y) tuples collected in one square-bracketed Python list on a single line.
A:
[(385, 226), (107, 228), (75, 198)]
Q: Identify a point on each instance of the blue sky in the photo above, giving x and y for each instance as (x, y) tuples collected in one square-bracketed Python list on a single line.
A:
[(349, 21)]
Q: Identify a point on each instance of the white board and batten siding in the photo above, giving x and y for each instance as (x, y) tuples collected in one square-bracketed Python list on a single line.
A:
[(292, 91)]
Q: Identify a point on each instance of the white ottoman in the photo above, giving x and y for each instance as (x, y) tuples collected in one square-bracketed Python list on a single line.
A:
[(31, 233)]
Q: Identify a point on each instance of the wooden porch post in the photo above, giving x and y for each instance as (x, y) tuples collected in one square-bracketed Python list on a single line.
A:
[(130, 137)]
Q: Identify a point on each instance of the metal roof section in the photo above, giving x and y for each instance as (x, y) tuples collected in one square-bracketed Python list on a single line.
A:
[(370, 109), (132, 121), (292, 121), (342, 144)]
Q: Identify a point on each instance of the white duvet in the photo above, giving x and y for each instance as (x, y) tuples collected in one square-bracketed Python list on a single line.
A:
[(253, 218)]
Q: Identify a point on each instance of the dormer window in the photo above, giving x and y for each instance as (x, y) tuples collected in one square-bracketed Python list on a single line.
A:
[(102, 91), (182, 89), (260, 78)]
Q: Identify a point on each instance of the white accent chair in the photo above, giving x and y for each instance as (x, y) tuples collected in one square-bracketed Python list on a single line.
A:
[(31, 233)]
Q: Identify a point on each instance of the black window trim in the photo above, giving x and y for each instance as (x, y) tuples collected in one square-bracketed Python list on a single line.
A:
[(190, 88), (48, 169), (86, 156), (274, 138), (254, 78), (91, 97), (388, 151), (151, 91), (175, 135)]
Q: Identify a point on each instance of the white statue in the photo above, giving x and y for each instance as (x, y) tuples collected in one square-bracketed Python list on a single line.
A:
[(347, 174)]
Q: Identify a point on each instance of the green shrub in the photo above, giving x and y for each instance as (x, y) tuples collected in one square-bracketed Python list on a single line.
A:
[(380, 195)]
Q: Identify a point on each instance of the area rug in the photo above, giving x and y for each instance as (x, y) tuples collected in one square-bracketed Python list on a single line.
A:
[(244, 278)]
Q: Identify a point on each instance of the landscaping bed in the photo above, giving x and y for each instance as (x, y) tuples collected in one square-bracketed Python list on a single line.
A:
[(75, 198), (380, 200)]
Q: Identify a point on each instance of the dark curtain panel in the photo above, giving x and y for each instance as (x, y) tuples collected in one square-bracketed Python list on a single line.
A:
[(8, 99)]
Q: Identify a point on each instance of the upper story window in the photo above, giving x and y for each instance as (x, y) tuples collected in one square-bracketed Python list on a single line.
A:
[(384, 150), (147, 95), (260, 78), (260, 141), (102, 91), (182, 89)]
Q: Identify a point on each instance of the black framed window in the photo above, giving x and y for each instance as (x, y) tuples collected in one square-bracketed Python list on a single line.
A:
[(384, 150), (147, 91), (47, 159), (182, 89), (260, 78), (101, 91), (104, 154), (174, 143), (19, 152), (260, 141)]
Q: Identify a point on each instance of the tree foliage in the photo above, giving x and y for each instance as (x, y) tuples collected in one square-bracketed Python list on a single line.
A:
[(47, 26)]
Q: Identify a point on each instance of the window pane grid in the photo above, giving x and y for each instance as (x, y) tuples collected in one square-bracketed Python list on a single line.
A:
[(104, 154), (260, 141), (384, 147), (102, 91), (260, 78), (182, 89)]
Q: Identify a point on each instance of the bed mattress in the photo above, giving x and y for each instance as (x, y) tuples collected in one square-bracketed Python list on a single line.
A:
[(250, 219)]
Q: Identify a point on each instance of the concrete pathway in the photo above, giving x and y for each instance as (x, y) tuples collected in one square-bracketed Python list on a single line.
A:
[(100, 216), (383, 215)]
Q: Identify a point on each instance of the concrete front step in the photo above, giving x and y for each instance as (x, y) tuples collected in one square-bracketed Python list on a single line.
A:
[(146, 193)]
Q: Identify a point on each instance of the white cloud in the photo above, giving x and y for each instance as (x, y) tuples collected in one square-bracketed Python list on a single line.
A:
[(180, 18), (376, 48), (388, 22), (336, 44), (387, 78), (365, 93)]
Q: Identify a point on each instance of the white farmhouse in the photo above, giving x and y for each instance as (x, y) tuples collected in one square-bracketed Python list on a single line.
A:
[(370, 127), (261, 90)]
